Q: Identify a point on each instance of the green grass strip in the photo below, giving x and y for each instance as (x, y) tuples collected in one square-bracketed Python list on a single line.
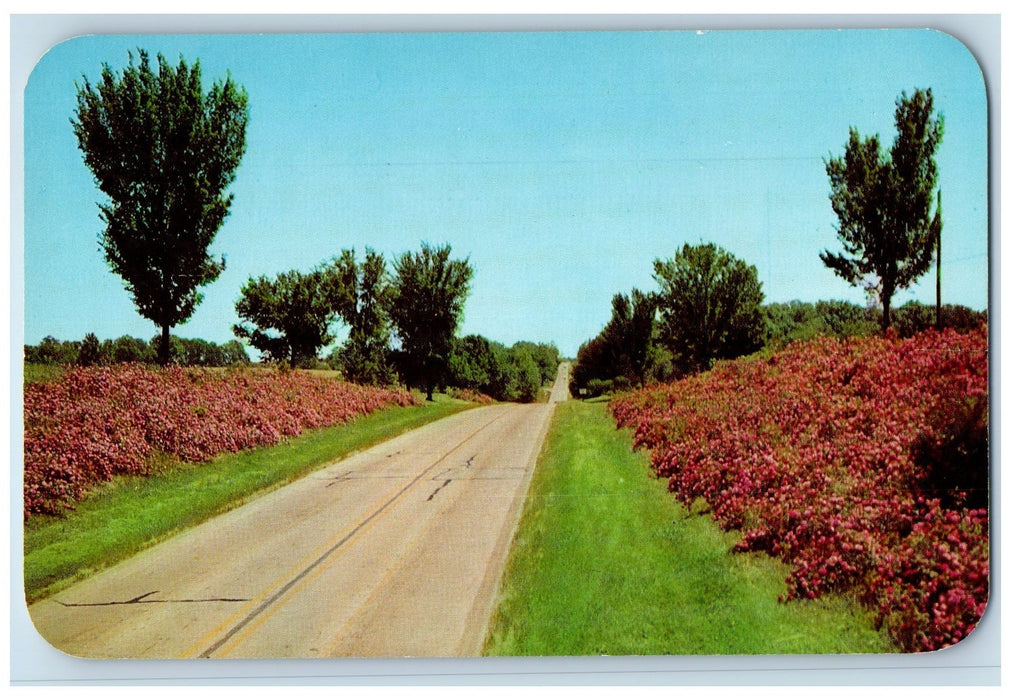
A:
[(35, 373), (605, 561), (129, 514)]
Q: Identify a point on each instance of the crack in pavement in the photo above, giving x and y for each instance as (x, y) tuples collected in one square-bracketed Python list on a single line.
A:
[(143, 600), (356, 476), (440, 488), (455, 470), (343, 476)]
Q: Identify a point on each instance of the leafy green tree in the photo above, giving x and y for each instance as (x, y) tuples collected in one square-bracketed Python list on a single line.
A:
[(799, 320), (629, 335), (545, 355), (883, 203), (503, 379), (292, 315), (196, 352), (234, 353), (472, 364), (52, 352), (176, 350), (107, 349), (426, 306), (163, 151), (914, 317), (203, 353), (709, 305), (365, 357), (128, 349), (90, 352), (592, 363), (787, 322), (625, 352), (528, 374), (843, 319), (505, 374)]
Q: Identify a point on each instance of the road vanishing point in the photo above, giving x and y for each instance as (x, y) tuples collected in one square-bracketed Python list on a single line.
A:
[(395, 551)]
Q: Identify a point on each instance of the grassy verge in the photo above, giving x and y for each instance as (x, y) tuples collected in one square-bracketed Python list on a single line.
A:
[(130, 513), (605, 561), (35, 373)]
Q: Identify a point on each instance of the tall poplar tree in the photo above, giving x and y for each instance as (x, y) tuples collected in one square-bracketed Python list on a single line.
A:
[(364, 358), (883, 202), (163, 151), (426, 307)]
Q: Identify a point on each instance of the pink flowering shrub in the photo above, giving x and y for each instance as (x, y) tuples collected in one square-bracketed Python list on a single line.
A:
[(97, 422), (471, 395), (850, 460)]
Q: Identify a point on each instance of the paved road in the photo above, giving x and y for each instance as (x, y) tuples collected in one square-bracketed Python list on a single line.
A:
[(396, 551)]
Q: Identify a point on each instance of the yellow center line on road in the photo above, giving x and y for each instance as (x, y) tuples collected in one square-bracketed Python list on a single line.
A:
[(331, 648), (208, 638), (284, 584), (310, 575), (319, 571)]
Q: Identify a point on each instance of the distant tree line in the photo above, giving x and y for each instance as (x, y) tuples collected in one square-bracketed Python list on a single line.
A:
[(91, 351), (709, 308), (799, 320), (401, 325), (515, 373)]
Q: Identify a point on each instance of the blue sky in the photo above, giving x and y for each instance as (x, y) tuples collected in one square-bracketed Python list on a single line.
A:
[(561, 164)]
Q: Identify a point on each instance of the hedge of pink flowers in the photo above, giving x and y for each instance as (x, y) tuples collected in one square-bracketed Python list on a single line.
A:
[(93, 423), (811, 453), (471, 395)]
